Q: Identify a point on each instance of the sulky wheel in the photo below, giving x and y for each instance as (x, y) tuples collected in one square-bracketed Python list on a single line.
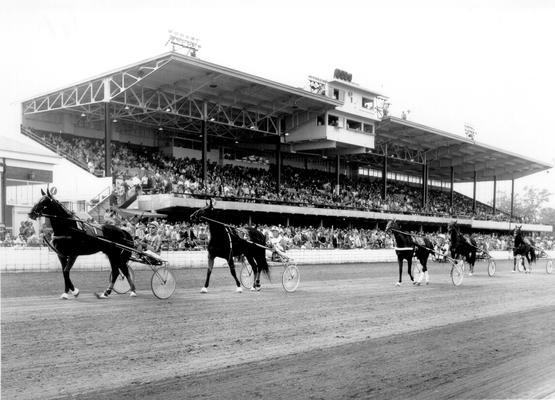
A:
[(457, 273), (291, 278), (162, 283), (491, 267), (121, 285), (549, 266), (247, 275)]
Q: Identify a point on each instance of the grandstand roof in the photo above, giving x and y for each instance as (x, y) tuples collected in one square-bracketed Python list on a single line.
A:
[(408, 140), (172, 89)]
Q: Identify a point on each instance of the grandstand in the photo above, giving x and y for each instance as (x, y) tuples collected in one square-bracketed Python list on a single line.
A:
[(173, 130)]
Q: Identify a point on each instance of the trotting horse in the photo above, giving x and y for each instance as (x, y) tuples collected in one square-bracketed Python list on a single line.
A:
[(73, 237), (524, 247), (408, 246), (226, 243), (462, 246)]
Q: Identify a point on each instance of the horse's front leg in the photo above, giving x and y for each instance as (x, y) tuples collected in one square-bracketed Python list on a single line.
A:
[(67, 263), (231, 264), (208, 273), (400, 261)]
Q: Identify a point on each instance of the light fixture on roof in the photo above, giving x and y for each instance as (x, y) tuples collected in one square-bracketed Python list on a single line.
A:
[(83, 115), (126, 107), (160, 128), (212, 119), (179, 40), (168, 109), (236, 142), (286, 134), (114, 120), (252, 127)]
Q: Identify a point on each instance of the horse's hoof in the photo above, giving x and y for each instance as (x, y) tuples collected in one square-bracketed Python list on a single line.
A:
[(204, 290), (132, 294), (258, 288), (101, 295), (75, 292), (239, 290), (397, 283), (253, 289), (64, 296), (470, 274)]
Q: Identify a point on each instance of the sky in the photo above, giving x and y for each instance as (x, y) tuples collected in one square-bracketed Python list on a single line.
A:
[(487, 63)]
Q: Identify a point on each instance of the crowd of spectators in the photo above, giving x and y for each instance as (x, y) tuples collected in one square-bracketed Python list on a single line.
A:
[(151, 171), (189, 236)]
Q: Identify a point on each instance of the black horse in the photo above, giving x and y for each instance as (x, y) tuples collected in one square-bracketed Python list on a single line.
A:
[(408, 246), (524, 247), (225, 242), (462, 246), (73, 237)]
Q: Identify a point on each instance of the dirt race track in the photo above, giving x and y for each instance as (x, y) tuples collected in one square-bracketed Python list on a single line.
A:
[(347, 332)]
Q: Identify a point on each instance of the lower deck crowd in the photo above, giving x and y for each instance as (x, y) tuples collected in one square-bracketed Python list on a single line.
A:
[(188, 236)]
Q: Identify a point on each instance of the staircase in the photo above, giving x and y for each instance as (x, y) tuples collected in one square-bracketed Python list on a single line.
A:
[(99, 204), (37, 138)]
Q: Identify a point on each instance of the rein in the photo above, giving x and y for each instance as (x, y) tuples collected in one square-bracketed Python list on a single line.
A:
[(424, 247), (232, 227)]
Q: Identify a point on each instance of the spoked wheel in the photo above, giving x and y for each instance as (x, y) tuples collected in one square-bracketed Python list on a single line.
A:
[(549, 266), (247, 275), (162, 283), (291, 278), (121, 286), (491, 267), (457, 273)]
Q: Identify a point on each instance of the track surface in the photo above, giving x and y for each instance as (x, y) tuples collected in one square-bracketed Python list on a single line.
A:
[(347, 332)]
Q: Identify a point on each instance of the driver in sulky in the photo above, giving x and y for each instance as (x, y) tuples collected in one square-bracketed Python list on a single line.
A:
[(152, 242), (275, 242)]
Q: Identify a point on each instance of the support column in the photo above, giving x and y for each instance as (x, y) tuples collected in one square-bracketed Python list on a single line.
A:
[(204, 144), (512, 198), (424, 180), (384, 175), (278, 164), (452, 187), (3, 189), (474, 194), (107, 140), (337, 173), (494, 193)]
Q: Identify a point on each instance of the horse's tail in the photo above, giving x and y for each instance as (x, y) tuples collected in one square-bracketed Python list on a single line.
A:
[(532, 255), (259, 250)]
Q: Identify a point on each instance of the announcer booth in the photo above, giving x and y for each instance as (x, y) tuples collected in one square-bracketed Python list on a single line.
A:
[(25, 168)]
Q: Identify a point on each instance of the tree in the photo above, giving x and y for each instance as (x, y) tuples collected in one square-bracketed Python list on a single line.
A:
[(527, 204), (547, 216)]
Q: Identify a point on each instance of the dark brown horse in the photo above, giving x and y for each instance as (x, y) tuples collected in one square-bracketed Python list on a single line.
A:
[(407, 247), (462, 246), (225, 242), (524, 247), (73, 237)]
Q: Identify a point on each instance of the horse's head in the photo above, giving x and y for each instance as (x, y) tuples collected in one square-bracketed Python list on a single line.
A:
[(46, 205), (452, 227), (196, 217), (391, 224), (517, 231)]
